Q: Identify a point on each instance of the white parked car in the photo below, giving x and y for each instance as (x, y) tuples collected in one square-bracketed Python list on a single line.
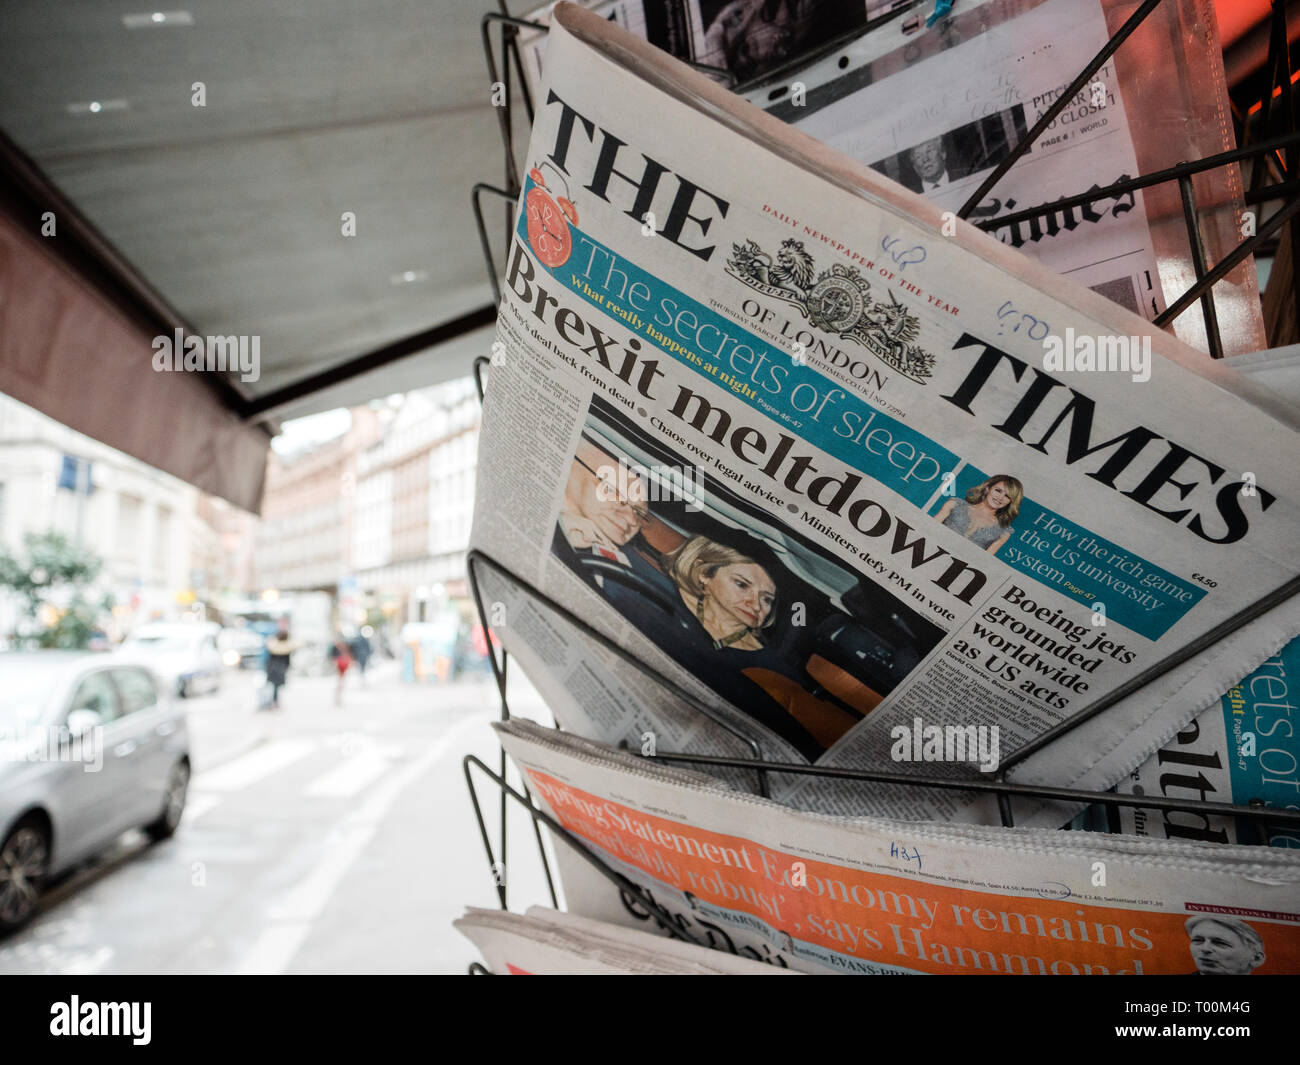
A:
[(90, 747), (184, 655)]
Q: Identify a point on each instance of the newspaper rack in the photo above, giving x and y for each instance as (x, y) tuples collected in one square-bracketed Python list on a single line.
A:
[(1265, 155)]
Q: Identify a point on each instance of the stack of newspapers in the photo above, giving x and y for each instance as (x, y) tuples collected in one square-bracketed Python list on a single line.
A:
[(551, 942), (783, 460)]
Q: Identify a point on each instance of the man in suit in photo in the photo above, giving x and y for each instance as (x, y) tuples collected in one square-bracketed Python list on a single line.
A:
[(929, 161), (604, 510)]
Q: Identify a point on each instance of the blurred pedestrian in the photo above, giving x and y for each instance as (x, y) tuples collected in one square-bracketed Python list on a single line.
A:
[(342, 655), (278, 650), (361, 651)]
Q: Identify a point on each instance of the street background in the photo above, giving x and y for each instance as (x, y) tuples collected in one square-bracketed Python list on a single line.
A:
[(317, 839)]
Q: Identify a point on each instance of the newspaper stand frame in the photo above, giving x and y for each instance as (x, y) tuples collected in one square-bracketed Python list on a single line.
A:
[(1263, 154)]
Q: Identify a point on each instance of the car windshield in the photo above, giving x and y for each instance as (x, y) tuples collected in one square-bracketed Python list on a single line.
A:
[(24, 691)]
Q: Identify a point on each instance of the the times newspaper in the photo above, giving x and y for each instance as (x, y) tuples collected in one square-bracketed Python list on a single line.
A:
[(873, 487), (937, 106), (827, 894)]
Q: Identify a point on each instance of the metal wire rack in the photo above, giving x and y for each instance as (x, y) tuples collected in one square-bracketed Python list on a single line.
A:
[(1278, 139)]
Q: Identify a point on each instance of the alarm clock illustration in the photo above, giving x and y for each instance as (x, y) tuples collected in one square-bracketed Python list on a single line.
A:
[(548, 219)]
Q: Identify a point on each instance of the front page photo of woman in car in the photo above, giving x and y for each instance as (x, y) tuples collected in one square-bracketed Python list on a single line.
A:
[(779, 627)]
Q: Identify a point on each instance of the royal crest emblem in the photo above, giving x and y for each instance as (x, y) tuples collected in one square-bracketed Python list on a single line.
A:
[(837, 301)]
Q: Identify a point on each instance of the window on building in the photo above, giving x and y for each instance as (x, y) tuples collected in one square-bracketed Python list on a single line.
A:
[(128, 525)]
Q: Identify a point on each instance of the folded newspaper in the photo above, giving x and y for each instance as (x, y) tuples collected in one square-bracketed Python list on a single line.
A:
[(1277, 369), (546, 942), (818, 893), (865, 485), (1242, 750)]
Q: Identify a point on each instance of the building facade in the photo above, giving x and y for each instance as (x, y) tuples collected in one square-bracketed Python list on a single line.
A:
[(414, 503), (304, 540), (137, 519)]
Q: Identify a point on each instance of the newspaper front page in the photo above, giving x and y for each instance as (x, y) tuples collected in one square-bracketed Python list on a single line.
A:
[(826, 894), (874, 488)]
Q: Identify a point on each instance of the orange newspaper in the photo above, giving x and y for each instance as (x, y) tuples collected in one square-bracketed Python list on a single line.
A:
[(818, 893)]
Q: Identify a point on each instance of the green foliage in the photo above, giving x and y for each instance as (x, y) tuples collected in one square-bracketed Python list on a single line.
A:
[(76, 624), (50, 566)]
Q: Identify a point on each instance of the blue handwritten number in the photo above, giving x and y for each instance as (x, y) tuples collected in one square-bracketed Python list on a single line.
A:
[(904, 258), (1008, 311)]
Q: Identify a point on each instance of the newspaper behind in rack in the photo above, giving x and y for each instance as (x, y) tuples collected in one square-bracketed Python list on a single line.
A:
[(1242, 750), (745, 38), (838, 476), (939, 110), (828, 894), (939, 121), (546, 942)]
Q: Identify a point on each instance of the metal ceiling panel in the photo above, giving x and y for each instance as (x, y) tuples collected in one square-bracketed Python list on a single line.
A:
[(233, 212)]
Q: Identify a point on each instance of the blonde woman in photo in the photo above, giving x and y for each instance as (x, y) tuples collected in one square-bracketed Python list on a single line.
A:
[(986, 514), (729, 594)]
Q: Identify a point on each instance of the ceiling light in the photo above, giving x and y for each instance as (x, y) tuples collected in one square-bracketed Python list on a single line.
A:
[(147, 20), (96, 107)]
